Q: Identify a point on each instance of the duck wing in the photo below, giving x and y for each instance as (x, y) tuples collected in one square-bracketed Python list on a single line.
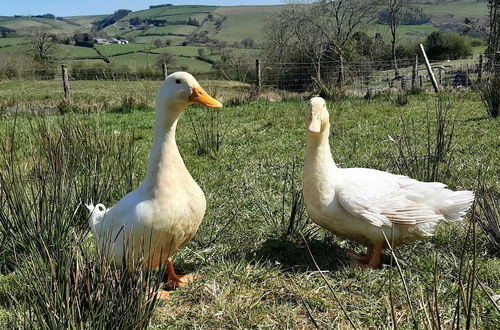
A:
[(383, 199)]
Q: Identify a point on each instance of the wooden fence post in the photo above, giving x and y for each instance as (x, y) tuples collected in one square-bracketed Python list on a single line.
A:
[(440, 76), (429, 70), (258, 73), (414, 73), (467, 73), (480, 68), (421, 81), (65, 79), (403, 83), (164, 69)]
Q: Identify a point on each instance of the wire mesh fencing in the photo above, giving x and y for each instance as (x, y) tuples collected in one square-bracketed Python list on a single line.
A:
[(357, 76)]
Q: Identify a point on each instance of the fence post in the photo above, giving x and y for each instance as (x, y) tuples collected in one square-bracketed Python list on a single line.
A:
[(403, 83), (414, 73), (65, 79), (467, 72), (429, 70), (258, 73), (421, 81), (164, 69), (480, 68), (440, 76)]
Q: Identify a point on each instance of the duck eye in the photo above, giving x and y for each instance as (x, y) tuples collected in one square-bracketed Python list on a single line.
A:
[(178, 81)]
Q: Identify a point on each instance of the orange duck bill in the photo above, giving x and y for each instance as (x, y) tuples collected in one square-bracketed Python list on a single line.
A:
[(201, 97)]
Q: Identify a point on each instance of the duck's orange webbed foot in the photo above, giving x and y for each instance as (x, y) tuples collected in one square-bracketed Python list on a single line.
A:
[(163, 294), (357, 259), (173, 281), (371, 260)]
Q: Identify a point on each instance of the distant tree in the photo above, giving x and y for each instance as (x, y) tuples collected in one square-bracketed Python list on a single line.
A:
[(392, 19), (235, 64), (248, 42), (201, 52), (158, 43), (135, 21), (192, 21), (320, 31), (111, 19), (220, 45), (83, 39), (44, 47), (165, 58), (47, 16)]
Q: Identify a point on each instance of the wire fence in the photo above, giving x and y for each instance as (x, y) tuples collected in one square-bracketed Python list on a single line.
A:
[(298, 77)]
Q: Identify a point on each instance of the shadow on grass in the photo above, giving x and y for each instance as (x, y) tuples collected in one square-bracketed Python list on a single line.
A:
[(294, 256), (477, 119)]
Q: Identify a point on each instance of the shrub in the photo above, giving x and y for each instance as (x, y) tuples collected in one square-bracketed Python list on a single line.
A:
[(16, 66), (442, 46)]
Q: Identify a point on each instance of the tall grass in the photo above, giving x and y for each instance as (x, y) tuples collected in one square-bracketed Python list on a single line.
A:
[(427, 160), (80, 288), (47, 170), (47, 175), (488, 217), (490, 94), (290, 220), (208, 133)]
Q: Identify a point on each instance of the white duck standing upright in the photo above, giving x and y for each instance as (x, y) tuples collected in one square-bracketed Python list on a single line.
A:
[(367, 205), (162, 215)]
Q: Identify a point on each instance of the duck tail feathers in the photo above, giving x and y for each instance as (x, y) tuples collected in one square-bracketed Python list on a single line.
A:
[(96, 214), (456, 204)]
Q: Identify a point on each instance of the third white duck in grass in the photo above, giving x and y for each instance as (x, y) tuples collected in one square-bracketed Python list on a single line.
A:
[(162, 215), (369, 206)]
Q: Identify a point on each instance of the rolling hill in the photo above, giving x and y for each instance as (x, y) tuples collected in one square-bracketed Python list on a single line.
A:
[(160, 26)]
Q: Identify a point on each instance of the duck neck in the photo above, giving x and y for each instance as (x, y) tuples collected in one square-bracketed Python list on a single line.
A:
[(319, 159), (164, 159)]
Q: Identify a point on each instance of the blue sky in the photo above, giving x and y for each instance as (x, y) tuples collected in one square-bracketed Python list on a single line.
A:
[(93, 7)]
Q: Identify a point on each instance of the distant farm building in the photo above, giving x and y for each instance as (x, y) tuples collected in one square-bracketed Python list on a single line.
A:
[(104, 41)]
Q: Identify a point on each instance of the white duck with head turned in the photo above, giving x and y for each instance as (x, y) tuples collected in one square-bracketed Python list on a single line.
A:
[(367, 205), (164, 212)]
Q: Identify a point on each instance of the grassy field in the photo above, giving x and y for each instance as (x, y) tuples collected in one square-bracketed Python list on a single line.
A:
[(407, 33), (175, 40), (254, 275), (171, 11), (6, 42), (242, 22), (454, 12), (25, 25)]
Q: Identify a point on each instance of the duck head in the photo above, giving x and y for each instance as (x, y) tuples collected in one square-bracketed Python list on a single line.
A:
[(180, 89), (317, 118)]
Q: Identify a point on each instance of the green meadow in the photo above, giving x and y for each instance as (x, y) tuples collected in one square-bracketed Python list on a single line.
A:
[(255, 272)]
